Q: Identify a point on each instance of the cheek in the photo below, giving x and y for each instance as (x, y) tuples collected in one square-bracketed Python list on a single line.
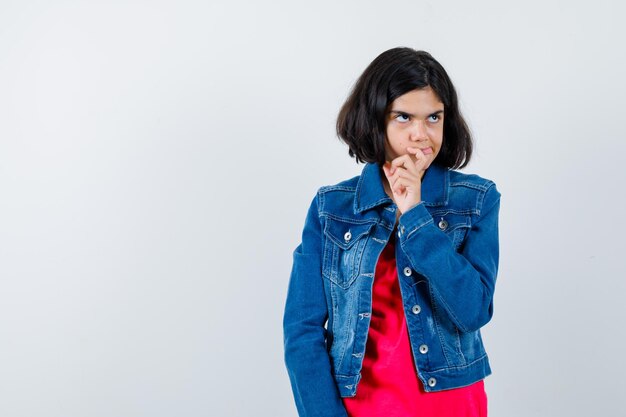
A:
[(437, 136), (396, 137)]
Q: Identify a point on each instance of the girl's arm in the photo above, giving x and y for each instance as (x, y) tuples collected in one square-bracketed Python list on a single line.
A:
[(463, 283), (306, 357)]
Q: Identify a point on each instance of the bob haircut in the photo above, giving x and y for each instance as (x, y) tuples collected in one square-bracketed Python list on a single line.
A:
[(361, 123)]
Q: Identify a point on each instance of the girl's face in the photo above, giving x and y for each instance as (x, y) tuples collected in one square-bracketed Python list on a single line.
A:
[(415, 119)]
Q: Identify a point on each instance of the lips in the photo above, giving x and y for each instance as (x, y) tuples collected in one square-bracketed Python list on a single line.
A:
[(427, 151)]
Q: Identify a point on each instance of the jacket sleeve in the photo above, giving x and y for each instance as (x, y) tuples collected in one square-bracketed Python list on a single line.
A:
[(462, 282), (306, 357)]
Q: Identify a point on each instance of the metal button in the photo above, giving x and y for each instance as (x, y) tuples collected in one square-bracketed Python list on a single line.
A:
[(423, 349), (443, 225), (347, 236), (402, 228), (416, 309), (432, 382), (399, 234), (407, 271)]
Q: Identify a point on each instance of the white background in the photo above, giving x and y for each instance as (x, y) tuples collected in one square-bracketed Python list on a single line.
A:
[(157, 160)]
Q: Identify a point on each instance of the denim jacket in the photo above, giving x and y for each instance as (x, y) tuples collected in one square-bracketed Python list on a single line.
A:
[(447, 260)]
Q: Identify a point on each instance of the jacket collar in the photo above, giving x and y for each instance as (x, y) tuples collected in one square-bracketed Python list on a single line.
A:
[(370, 191)]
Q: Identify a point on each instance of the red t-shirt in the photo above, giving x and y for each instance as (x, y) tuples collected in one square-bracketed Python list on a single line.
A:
[(389, 384)]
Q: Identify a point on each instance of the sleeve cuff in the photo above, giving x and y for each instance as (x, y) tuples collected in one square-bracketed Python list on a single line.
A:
[(413, 219)]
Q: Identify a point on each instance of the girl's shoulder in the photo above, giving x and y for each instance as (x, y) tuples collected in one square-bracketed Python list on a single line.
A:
[(466, 189), (349, 184), (464, 179)]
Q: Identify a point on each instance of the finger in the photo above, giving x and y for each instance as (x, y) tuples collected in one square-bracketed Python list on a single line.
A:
[(390, 171), (387, 168), (407, 179), (417, 153), (409, 174), (400, 173), (403, 161), (403, 179), (391, 179), (421, 159), (402, 184), (417, 165)]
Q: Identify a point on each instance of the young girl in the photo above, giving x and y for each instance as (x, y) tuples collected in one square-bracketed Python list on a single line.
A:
[(396, 271)]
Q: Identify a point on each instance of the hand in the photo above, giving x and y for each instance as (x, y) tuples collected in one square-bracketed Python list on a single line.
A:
[(405, 178)]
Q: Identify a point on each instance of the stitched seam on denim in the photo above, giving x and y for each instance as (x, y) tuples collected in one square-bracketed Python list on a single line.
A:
[(438, 216), (457, 238), (472, 185), (322, 202), (334, 259), (482, 358), (342, 347), (374, 204), (319, 219), (329, 257), (479, 205), (361, 255), (353, 242), (357, 196), (480, 213), (435, 204), (328, 188), (356, 190), (353, 265), (386, 225), (356, 260), (456, 227), (347, 219), (466, 212), (449, 310), (418, 227), (433, 304), (359, 360), (480, 199), (346, 376), (458, 346), (348, 326), (326, 267)]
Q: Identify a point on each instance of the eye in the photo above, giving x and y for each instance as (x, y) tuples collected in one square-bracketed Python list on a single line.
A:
[(402, 118), (433, 118)]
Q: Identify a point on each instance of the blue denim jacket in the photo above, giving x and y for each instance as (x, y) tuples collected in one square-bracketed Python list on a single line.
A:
[(447, 259)]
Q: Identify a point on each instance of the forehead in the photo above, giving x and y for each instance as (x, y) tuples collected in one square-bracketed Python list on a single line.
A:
[(417, 101)]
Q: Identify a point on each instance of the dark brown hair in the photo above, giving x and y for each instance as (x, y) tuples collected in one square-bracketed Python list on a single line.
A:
[(361, 121)]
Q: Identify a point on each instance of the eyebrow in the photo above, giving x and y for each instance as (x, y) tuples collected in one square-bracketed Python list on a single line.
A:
[(413, 115)]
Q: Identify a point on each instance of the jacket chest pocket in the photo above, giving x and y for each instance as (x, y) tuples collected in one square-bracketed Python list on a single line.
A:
[(344, 243), (455, 226)]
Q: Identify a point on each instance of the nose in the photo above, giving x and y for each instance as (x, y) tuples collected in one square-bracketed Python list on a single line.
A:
[(418, 132)]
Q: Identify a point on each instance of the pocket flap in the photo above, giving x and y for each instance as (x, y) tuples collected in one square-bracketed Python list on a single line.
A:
[(344, 233)]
